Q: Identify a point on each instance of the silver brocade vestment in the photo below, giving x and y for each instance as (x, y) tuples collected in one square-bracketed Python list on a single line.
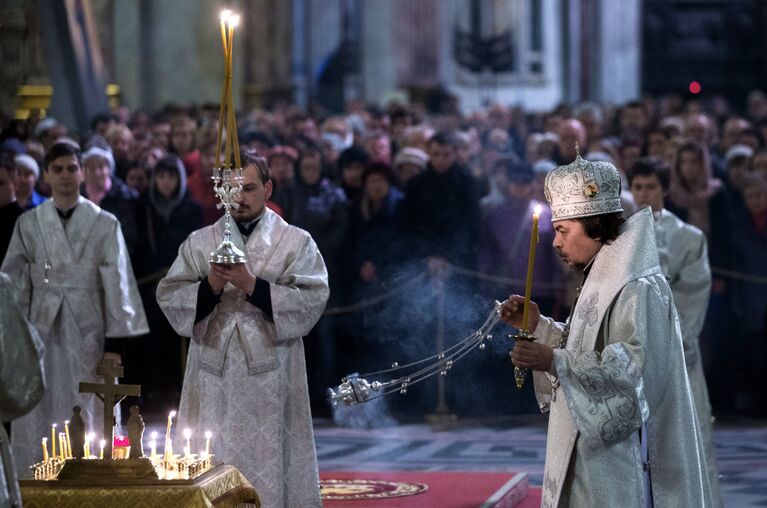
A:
[(76, 285), (22, 382), (683, 258), (245, 375), (623, 366)]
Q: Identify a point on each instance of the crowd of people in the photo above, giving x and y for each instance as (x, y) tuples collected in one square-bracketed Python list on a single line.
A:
[(414, 210)]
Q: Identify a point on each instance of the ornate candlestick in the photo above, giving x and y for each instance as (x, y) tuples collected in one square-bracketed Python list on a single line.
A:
[(227, 178)]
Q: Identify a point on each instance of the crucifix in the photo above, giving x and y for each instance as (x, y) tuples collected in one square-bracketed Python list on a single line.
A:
[(110, 393)]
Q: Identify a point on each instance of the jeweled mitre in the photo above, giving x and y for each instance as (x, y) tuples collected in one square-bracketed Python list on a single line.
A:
[(583, 189)]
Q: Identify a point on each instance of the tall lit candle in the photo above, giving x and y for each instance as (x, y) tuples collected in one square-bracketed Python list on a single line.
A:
[(69, 442), (530, 265), (188, 437), (62, 445), (102, 444), (53, 440), (208, 435), (88, 438), (224, 17), (45, 449), (168, 444), (233, 22)]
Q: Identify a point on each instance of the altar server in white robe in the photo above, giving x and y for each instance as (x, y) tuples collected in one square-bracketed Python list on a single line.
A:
[(622, 426), (74, 281), (245, 376), (22, 383), (683, 254)]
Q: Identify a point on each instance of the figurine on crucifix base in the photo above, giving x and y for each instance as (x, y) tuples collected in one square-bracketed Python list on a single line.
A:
[(136, 433), (111, 393), (77, 426)]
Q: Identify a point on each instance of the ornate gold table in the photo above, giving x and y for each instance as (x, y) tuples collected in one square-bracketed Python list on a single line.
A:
[(221, 487)]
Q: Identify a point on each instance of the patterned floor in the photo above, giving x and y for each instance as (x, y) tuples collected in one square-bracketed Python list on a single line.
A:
[(519, 445)]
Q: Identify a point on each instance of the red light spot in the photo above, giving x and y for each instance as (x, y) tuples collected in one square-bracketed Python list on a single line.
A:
[(695, 87)]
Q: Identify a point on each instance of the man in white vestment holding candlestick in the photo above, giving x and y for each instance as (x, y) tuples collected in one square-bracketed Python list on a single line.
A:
[(73, 276), (245, 376), (622, 428)]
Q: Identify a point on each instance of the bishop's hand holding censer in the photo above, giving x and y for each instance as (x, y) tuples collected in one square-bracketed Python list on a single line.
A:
[(517, 311)]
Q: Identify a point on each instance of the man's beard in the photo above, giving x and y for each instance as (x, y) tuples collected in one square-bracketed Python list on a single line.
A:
[(568, 261), (245, 215)]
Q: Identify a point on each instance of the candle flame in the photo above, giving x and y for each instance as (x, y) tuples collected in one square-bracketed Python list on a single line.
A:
[(172, 414), (208, 434), (538, 209), (225, 15), (53, 425), (187, 433), (102, 443), (45, 440), (66, 422), (154, 436), (234, 20)]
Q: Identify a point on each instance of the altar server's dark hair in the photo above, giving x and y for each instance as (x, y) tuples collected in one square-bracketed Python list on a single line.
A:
[(251, 157)]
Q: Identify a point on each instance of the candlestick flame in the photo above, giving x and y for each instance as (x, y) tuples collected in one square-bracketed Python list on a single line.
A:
[(208, 434), (90, 437), (154, 436), (538, 209), (171, 414), (187, 433), (234, 20), (225, 15), (102, 443), (45, 440), (66, 422)]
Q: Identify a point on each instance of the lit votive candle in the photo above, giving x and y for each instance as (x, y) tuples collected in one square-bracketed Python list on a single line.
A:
[(45, 449), (188, 437), (102, 444), (208, 435)]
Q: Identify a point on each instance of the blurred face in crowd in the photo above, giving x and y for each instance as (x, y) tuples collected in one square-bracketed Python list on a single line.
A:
[(166, 183), (51, 135), (441, 157), (311, 169), (634, 119), (253, 197), (629, 155), (182, 139), (64, 175), (98, 174), (352, 175), (137, 178), (755, 197), (379, 148), (405, 172), (572, 243), (161, 135), (698, 128), (281, 170), (737, 169), (122, 144), (7, 193), (732, 129), (25, 182), (377, 187), (760, 164), (570, 132), (648, 191), (153, 155), (520, 190), (656, 145), (691, 169)]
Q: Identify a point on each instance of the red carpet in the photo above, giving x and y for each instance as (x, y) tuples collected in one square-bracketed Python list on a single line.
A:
[(445, 490)]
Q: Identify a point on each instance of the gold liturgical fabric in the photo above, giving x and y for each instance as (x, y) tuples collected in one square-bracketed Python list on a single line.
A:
[(223, 487)]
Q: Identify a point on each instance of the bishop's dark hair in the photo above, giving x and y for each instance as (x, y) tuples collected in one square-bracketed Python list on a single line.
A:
[(605, 227)]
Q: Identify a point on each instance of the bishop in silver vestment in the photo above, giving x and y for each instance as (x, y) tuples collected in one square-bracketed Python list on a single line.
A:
[(622, 426), (245, 376), (22, 382), (76, 285)]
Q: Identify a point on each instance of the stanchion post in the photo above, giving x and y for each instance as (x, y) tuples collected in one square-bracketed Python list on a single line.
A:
[(441, 412)]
